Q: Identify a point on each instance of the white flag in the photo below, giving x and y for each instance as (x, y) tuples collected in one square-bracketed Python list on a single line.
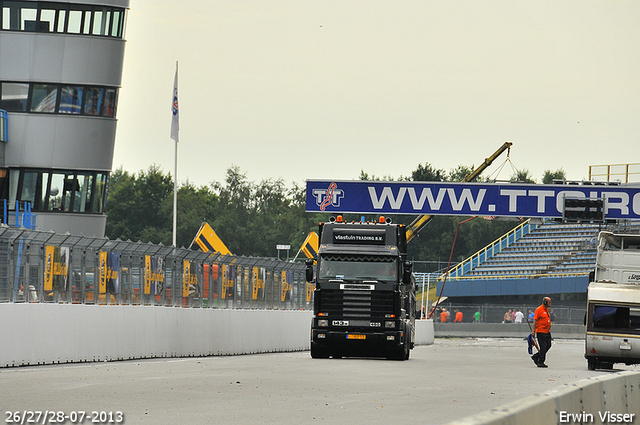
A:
[(174, 108)]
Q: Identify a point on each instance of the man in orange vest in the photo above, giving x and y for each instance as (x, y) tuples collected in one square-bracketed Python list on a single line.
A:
[(542, 330), (458, 318), (444, 316)]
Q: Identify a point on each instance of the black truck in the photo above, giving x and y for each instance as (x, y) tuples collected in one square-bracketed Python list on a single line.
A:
[(364, 300)]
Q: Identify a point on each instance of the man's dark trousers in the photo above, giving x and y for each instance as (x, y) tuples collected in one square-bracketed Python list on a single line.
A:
[(544, 341)]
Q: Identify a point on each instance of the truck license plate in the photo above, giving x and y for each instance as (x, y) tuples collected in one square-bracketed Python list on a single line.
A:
[(355, 336)]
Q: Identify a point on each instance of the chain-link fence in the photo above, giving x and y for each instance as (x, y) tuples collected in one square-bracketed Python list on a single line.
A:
[(496, 313), (38, 266)]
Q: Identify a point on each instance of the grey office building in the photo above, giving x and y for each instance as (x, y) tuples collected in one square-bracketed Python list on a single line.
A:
[(60, 73)]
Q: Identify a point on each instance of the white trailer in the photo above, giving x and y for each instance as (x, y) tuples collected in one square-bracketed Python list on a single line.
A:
[(613, 303)]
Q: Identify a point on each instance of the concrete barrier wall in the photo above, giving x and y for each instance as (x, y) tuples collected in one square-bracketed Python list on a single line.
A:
[(34, 334), (425, 333), (603, 399), (60, 333), (503, 330)]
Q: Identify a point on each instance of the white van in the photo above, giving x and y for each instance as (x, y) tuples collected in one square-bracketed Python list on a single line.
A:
[(613, 303)]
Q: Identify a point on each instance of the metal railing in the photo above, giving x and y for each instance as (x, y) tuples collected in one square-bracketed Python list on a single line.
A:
[(490, 250), (518, 276), (21, 215), (46, 267)]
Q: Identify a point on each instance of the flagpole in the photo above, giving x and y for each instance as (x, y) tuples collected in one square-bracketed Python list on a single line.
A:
[(174, 136), (175, 196)]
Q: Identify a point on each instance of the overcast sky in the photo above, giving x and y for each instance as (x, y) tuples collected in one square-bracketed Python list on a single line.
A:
[(323, 89)]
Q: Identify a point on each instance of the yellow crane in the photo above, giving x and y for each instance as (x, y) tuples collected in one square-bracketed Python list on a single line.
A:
[(419, 223)]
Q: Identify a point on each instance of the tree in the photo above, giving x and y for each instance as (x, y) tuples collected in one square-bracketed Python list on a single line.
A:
[(427, 173), (252, 218), (550, 176), (460, 173), (522, 176), (120, 203)]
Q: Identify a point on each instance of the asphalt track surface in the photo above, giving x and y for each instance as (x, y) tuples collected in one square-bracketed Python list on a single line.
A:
[(448, 380)]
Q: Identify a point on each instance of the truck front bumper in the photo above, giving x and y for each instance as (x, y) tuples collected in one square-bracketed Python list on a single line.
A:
[(357, 343)]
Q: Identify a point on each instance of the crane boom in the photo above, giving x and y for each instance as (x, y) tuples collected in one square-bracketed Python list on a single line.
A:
[(423, 220)]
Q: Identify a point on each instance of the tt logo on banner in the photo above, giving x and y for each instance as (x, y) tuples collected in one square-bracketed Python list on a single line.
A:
[(329, 197)]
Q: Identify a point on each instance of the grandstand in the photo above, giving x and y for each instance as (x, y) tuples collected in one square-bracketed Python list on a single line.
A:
[(532, 260), (551, 249)]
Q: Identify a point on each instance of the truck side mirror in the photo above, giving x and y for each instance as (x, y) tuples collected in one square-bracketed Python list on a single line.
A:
[(309, 270), (407, 269)]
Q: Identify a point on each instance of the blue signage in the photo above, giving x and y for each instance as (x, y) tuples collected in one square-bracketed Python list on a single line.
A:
[(4, 126), (484, 199)]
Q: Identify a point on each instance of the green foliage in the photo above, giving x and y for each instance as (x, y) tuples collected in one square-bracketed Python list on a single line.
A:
[(522, 176), (550, 176), (427, 173), (252, 218)]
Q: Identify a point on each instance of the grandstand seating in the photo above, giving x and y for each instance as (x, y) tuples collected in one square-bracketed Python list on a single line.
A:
[(551, 249)]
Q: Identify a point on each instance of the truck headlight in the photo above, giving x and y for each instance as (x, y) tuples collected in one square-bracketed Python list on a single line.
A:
[(323, 323), (389, 324)]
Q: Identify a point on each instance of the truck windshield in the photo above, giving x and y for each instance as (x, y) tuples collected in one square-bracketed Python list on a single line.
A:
[(358, 267)]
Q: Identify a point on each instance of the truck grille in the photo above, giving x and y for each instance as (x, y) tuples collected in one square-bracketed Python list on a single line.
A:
[(356, 304)]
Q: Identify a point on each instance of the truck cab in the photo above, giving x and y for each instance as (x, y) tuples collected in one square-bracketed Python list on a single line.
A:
[(364, 301)]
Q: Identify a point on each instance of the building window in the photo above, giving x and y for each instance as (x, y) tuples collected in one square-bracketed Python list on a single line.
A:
[(59, 191), (14, 96), (44, 97), (36, 16), (73, 99), (109, 103), (93, 100)]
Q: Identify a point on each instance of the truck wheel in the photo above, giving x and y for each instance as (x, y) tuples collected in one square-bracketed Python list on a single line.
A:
[(592, 364), (318, 353), (400, 353)]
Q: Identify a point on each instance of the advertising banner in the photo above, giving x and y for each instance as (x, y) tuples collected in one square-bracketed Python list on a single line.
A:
[(483, 199), (228, 277), (108, 281), (4, 126), (285, 286), (258, 281), (153, 275), (190, 278), (56, 268), (310, 245)]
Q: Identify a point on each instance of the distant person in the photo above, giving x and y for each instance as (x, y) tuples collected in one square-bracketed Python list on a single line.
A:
[(476, 317), (507, 317), (552, 315), (444, 316), (542, 330), (458, 318), (518, 317), (530, 318)]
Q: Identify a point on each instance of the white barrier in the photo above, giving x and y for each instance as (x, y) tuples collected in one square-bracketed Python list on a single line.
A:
[(34, 334), (424, 332), (61, 333), (610, 398)]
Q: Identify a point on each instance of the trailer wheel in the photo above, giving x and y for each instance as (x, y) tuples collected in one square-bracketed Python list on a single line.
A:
[(592, 364)]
